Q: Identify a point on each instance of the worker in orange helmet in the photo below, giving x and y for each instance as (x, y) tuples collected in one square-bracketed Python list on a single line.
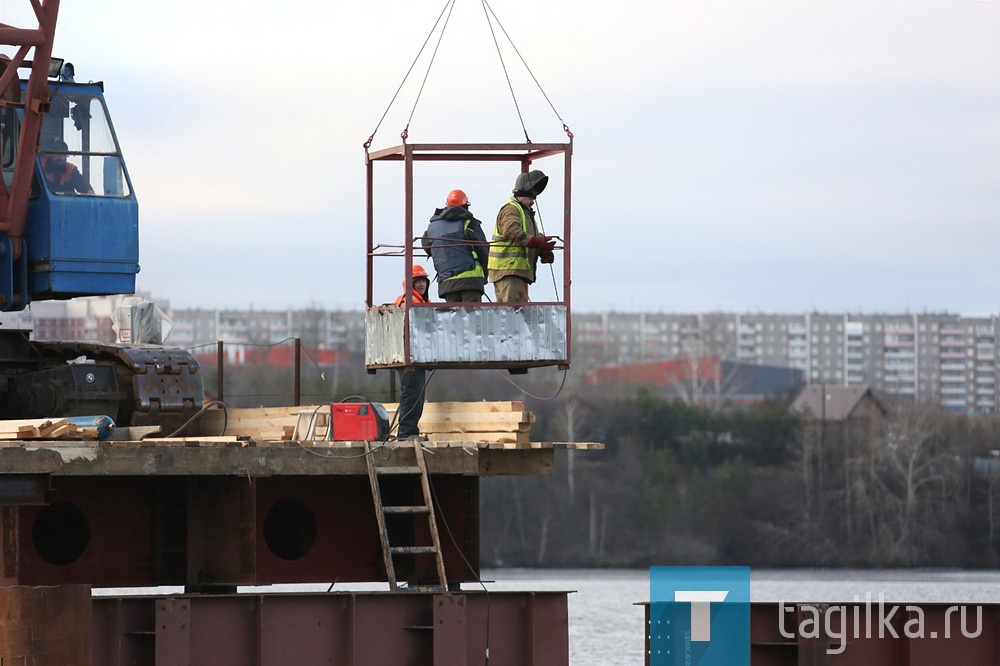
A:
[(456, 243), (412, 382), (419, 286), (517, 246)]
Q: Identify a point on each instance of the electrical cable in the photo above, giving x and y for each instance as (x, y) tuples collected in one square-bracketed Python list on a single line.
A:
[(468, 564), (531, 395), (382, 442), (420, 397), (205, 408)]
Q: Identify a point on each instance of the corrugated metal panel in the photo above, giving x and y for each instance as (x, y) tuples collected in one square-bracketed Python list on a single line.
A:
[(383, 336), (473, 335)]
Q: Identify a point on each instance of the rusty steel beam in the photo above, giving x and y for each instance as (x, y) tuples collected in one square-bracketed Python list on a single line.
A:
[(566, 241), (45, 625), (471, 151), (462, 157), (215, 533), (345, 628)]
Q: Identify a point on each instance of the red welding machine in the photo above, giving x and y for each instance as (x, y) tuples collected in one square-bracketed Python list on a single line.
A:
[(356, 421)]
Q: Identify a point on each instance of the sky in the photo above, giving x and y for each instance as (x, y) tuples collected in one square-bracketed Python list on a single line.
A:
[(766, 156)]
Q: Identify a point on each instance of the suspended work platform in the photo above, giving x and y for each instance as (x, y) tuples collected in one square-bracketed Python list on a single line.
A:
[(486, 336), (467, 335)]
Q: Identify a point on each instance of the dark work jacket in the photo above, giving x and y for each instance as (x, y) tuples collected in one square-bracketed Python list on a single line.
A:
[(457, 245)]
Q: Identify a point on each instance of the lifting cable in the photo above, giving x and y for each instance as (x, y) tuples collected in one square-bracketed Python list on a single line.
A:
[(541, 228), (489, 12), (490, 18), (450, 4)]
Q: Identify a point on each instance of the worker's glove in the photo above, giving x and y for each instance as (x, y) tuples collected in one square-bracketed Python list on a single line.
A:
[(546, 256), (541, 243)]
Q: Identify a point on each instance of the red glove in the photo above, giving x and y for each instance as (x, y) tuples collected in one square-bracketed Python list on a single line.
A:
[(546, 256), (541, 243)]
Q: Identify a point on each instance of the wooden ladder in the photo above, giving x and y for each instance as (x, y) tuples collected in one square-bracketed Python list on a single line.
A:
[(389, 551)]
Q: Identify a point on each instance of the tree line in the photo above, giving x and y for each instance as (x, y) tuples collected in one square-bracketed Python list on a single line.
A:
[(683, 483), (759, 485)]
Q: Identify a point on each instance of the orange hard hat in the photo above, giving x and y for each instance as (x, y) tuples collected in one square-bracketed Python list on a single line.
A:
[(457, 198), (418, 271)]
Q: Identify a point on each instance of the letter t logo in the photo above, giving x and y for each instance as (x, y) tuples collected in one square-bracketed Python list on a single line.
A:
[(701, 610)]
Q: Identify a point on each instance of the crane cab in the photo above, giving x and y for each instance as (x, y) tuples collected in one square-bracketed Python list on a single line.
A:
[(511, 336), (81, 232)]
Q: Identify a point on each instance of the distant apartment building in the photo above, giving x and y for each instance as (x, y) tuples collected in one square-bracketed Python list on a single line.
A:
[(941, 359), (198, 329), (77, 319)]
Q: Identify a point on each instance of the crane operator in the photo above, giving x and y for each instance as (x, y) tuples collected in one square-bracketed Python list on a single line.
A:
[(62, 176)]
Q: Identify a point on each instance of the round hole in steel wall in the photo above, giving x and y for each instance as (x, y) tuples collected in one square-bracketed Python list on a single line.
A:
[(290, 529), (60, 533)]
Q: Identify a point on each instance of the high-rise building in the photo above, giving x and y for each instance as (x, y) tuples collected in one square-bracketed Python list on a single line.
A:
[(933, 358), (941, 359)]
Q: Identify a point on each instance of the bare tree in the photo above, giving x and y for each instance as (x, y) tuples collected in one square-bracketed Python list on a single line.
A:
[(912, 478)]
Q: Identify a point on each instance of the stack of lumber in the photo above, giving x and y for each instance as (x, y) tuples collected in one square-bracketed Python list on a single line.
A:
[(49, 429), (504, 424), (260, 423), (501, 423)]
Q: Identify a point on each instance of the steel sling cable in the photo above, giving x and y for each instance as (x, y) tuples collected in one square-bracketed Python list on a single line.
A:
[(406, 130), (552, 270), (487, 8), (449, 3)]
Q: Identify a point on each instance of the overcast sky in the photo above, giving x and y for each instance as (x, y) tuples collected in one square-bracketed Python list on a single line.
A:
[(775, 155)]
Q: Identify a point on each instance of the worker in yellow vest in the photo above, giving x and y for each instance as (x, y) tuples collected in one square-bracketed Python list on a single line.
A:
[(516, 246)]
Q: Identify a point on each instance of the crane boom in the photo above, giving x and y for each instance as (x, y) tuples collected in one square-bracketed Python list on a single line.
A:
[(33, 105)]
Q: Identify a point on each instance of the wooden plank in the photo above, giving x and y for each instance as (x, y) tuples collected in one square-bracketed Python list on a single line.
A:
[(182, 441), (11, 425), (467, 425), (504, 418), (483, 437), (480, 407), (59, 431), (29, 428), (46, 430)]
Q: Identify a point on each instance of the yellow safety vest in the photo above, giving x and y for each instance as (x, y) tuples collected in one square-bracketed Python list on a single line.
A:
[(507, 256)]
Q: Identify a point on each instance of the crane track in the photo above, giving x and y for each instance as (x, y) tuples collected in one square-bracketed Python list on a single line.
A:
[(163, 386)]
